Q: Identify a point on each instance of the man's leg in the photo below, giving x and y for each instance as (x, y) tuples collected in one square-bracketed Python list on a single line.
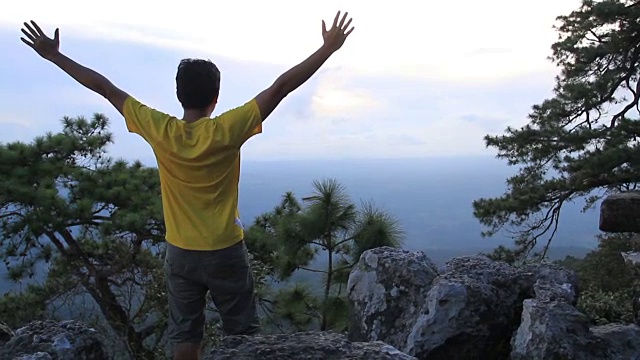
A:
[(187, 298), (231, 285)]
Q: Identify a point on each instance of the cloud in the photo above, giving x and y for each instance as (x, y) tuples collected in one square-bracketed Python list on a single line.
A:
[(345, 110), (441, 40), (417, 118), (336, 97)]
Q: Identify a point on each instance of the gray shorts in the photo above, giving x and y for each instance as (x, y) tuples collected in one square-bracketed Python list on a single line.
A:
[(226, 274)]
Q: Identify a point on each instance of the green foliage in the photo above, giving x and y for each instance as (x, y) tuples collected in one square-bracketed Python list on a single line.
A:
[(96, 225), (604, 307), (19, 308), (95, 222), (607, 283), (291, 237), (296, 308), (581, 143)]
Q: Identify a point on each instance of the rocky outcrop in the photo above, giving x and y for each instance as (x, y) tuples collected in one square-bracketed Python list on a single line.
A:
[(67, 340), (476, 308), (553, 283), (302, 346), (387, 288), (404, 307), (557, 330), (554, 330), (64, 340), (5, 333), (469, 310), (621, 212), (550, 326)]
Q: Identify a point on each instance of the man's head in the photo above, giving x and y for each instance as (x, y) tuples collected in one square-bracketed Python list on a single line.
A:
[(198, 84)]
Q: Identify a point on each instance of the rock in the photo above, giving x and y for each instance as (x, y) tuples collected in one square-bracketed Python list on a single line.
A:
[(470, 310), (554, 330), (36, 356), (554, 282), (5, 333), (302, 346), (620, 212), (64, 340), (386, 290), (631, 257), (621, 341)]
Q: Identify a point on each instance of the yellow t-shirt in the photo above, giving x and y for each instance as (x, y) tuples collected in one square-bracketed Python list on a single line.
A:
[(199, 167)]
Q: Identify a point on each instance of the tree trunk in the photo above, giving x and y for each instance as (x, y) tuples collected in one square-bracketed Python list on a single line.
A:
[(101, 292), (327, 288), (117, 318)]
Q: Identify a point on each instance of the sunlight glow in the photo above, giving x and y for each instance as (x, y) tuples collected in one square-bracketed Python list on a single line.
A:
[(463, 40)]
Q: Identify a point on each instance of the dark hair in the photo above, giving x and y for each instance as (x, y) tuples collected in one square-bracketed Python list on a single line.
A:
[(197, 83)]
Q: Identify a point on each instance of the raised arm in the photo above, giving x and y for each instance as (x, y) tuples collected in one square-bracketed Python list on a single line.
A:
[(334, 38), (50, 49)]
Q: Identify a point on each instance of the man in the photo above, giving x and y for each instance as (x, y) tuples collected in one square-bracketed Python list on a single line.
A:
[(199, 166)]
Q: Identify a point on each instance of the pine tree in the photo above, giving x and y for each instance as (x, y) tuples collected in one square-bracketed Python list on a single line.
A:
[(581, 143), (327, 226), (95, 223)]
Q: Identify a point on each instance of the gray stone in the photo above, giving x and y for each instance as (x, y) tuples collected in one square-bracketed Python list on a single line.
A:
[(66, 340), (5, 333), (386, 291), (554, 330), (470, 311), (302, 346), (554, 282), (631, 257), (622, 341), (36, 356), (557, 330), (620, 212)]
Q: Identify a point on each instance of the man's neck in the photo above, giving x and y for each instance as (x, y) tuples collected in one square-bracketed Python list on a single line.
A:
[(192, 115)]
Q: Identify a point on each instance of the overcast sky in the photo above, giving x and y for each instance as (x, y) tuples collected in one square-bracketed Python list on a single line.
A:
[(414, 79)]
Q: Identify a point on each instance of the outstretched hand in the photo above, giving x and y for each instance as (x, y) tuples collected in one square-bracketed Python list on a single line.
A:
[(38, 41), (336, 36)]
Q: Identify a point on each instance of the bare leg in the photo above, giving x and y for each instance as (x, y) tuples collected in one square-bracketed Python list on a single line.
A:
[(186, 351)]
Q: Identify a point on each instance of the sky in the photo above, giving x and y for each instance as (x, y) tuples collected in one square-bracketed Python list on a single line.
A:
[(414, 79)]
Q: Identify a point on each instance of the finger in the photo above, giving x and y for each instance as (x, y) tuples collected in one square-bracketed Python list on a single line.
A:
[(344, 17), (33, 32), (56, 35), (346, 26), (324, 27), (40, 32), (335, 20), (349, 32), (27, 42), (28, 35)]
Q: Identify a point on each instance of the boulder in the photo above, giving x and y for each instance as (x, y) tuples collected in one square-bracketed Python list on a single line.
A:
[(5, 333), (554, 330), (386, 290), (631, 258), (66, 340), (470, 310), (553, 282), (621, 341), (620, 212), (302, 346), (557, 330)]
